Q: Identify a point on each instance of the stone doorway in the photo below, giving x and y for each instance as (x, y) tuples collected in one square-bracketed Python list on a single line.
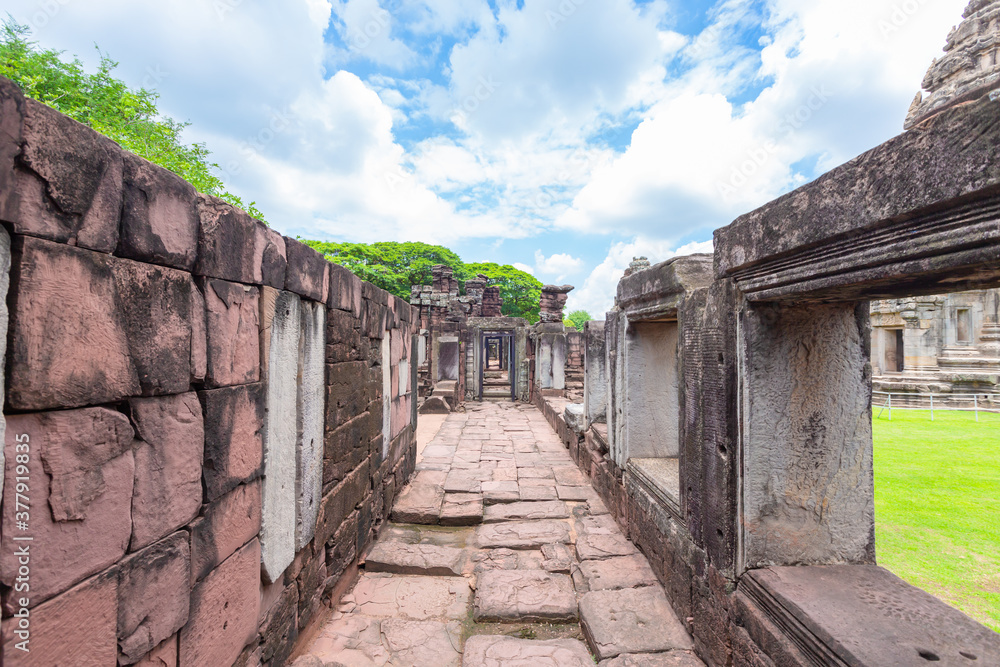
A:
[(498, 354)]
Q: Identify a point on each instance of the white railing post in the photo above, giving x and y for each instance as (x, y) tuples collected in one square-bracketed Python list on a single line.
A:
[(932, 407), (890, 406), (975, 401)]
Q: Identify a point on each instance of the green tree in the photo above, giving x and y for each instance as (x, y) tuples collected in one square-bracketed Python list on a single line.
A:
[(393, 266), (128, 116), (521, 292), (577, 319)]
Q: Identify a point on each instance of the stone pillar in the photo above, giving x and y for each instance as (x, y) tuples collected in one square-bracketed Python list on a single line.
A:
[(989, 346), (280, 329), (551, 349), (553, 302), (807, 477), (309, 452), (4, 285), (595, 374), (492, 302)]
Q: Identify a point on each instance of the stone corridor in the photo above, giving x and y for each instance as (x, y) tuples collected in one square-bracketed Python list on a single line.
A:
[(499, 552)]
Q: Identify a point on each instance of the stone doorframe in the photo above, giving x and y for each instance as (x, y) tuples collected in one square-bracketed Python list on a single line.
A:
[(481, 328)]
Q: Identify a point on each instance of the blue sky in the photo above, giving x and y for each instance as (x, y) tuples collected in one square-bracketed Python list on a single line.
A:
[(563, 136)]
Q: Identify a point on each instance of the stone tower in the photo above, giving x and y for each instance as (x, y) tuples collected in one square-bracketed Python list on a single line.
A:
[(970, 67)]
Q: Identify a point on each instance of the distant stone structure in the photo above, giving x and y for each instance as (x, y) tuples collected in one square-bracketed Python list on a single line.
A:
[(553, 303), (938, 344), (970, 66)]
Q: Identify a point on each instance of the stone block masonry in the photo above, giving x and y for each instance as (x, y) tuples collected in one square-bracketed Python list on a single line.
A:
[(204, 420)]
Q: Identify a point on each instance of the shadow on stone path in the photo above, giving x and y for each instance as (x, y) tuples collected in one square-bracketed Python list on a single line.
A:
[(499, 553)]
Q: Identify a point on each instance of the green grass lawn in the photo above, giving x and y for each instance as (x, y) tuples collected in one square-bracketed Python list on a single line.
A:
[(937, 505)]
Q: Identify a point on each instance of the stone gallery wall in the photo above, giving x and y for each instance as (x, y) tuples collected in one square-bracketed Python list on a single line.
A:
[(205, 421)]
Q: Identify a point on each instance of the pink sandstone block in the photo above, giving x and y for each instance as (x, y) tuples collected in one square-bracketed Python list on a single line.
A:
[(308, 272), (11, 123), (226, 525), (199, 336), (68, 182), (269, 260), (81, 470), (224, 611), (234, 440), (225, 242), (345, 291), (75, 629), (156, 302), (233, 333), (154, 596), (167, 491), (159, 216), (164, 655), (69, 346)]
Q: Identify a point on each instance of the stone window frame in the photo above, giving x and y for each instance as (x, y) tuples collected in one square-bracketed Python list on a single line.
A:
[(915, 216)]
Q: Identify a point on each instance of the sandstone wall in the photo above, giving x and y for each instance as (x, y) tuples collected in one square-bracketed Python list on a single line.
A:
[(205, 421)]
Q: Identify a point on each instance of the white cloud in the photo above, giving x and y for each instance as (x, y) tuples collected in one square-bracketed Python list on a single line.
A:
[(559, 265), (597, 295)]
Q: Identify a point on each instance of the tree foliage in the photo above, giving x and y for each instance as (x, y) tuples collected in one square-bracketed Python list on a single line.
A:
[(577, 319), (395, 267), (128, 116), (521, 292)]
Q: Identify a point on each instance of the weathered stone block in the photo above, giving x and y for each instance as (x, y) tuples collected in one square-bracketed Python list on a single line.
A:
[(522, 534), (308, 271), (279, 628), (347, 446), (68, 343), (154, 596), (281, 324), (232, 319), (224, 611), (12, 104), (349, 390), (414, 598), (309, 448), (156, 303), (81, 464), (226, 241), (226, 525), (199, 336), (418, 559), (340, 502), (167, 491), (634, 620), (524, 595), (159, 216), (420, 502), (67, 183), (4, 319), (164, 655), (500, 651), (269, 259), (76, 628), (343, 339), (234, 428), (345, 291)]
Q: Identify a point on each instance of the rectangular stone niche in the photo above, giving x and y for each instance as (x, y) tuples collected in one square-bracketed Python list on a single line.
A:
[(652, 422)]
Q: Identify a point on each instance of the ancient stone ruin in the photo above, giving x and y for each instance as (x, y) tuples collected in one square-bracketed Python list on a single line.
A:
[(210, 431)]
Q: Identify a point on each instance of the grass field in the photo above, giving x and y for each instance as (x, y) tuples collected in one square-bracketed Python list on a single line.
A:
[(937, 506)]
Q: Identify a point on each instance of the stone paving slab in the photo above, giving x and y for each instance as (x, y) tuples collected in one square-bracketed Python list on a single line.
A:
[(577, 493), (500, 492), (507, 559), (420, 502), (671, 659), (500, 651), (618, 572), (359, 640), (522, 534), (634, 620), (524, 595), (462, 509), (409, 597), (553, 509), (529, 492), (419, 559)]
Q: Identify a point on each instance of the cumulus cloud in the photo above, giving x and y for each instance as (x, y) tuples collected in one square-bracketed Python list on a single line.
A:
[(559, 265)]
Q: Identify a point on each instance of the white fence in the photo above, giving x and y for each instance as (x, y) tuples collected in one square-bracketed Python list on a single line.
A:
[(885, 401)]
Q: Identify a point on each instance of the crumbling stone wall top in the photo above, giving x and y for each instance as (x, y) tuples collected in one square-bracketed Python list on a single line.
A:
[(553, 302)]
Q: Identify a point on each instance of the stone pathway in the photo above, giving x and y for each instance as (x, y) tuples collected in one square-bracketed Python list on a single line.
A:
[(499, 553)]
